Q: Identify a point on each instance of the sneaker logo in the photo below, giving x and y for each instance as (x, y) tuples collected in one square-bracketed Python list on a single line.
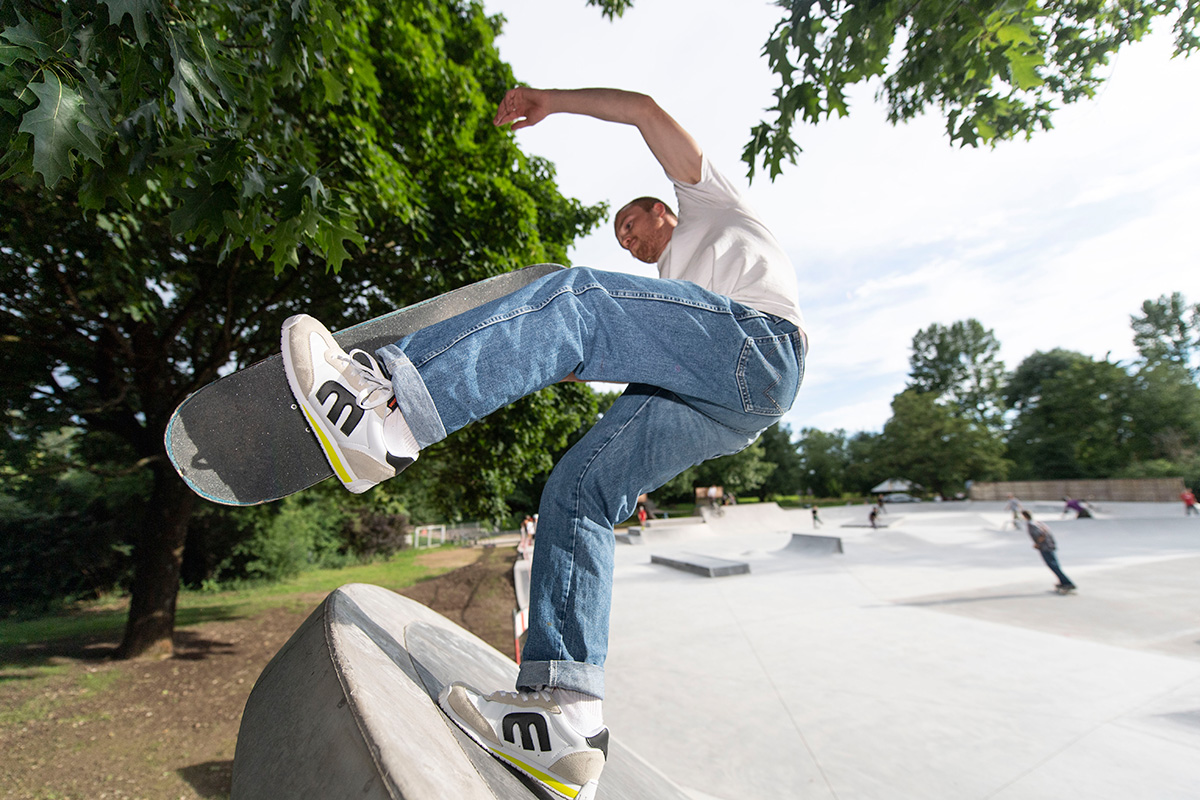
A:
[(529, 724), (345, 400)]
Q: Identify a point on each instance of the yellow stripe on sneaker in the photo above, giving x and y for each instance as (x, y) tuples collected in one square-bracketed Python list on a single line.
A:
[(335, 460), (553, 783)]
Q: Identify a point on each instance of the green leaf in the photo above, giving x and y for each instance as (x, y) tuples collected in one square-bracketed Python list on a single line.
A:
[(1009, 34), (23, 34), (334, 90), (183, 81), (137, 9), (10, 54), (203, 207), (253, 184), (1024, 68), (60, 126), (332, 236)]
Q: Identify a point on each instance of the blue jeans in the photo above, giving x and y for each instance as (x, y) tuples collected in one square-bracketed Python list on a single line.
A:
[(1052, 562), (707, 375)]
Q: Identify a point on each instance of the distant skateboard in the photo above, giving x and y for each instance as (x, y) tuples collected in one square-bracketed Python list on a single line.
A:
[(242, 440), (1065, 589)]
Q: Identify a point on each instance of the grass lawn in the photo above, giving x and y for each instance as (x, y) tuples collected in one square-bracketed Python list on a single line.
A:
[(106, 616)]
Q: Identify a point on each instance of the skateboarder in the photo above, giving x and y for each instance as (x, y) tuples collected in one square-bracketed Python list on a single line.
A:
[(1044, 543), (712, 350), (1014, 505), (1189, 502), (1080, 509)]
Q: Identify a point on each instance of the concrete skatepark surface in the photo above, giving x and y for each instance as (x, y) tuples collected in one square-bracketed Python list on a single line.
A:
[(931, 660)]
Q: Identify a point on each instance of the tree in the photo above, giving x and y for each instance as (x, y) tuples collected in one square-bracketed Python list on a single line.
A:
[(824, 459), (740, 473), (997, 69), (1164, 409), (866, 454), (959, 364), (778, 449), (928, 444), (127, 102), (1165, 405), (228, 135), (1168, 332), (1074, 417)]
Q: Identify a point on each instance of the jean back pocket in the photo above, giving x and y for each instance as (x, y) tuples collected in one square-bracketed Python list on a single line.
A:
[(769, 372)]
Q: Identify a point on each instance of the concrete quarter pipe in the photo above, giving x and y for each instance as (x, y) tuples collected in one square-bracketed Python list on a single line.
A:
[(347, 709)]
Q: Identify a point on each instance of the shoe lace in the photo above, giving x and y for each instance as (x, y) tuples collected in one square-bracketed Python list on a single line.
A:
[(377, 386), (541, 694)]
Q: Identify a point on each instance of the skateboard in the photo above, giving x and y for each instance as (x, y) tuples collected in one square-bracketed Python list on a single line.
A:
[(242, 440), (1064, 590)]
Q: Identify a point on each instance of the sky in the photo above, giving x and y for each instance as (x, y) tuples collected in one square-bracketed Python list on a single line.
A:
[(1052, 242)]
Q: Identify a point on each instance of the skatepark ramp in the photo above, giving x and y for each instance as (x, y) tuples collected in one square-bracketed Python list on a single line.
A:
[(810, 544), (758, 517), (347, 709), (705, 566)]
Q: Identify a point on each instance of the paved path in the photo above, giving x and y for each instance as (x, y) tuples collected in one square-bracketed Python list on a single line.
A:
[(930, 660)]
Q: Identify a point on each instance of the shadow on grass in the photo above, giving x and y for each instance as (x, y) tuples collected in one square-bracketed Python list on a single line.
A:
[(94, 636), (211, 780)]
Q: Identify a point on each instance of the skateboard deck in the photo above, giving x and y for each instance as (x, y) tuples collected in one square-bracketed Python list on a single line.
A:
[(242, 440)]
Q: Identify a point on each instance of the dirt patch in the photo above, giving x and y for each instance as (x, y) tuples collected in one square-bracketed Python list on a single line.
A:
[(447, 558), (480, 597), (159, 730)]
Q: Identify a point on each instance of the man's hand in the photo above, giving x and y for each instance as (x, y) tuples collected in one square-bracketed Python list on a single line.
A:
[(522, 107), (673, 146)]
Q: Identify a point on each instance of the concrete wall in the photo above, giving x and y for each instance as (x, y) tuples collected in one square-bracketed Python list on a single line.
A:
[(1133, 490)]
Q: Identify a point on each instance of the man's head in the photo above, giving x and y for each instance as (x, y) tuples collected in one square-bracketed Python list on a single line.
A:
[(644, 227), (1027, 515)]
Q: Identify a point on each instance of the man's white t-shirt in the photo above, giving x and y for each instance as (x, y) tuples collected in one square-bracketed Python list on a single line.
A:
[(722, 245)]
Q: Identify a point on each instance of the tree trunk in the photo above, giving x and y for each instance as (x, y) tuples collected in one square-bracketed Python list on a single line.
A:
[(157, 558)]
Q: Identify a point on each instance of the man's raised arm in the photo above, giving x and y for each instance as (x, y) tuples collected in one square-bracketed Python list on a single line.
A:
[(674, 147)]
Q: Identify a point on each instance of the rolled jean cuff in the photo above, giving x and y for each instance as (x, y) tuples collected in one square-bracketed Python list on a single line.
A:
[(412, 397), (573, 675)]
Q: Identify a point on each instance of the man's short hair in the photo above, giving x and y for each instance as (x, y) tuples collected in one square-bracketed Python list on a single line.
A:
[(645, 204)]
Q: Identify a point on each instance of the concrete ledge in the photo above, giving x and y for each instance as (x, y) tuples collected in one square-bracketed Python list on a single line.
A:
[(347, 709), (706, 566), (815, 545)]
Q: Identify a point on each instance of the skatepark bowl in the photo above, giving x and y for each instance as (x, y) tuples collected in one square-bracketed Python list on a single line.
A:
[(928, 659)]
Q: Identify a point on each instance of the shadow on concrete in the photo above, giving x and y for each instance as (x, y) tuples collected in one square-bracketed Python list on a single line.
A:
[(212, 779), (951, 601)]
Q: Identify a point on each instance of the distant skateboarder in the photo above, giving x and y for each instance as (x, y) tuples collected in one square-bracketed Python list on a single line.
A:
[(1044, 543), (1189, 502), (1014, 505), (1080, 509), (713, 353)]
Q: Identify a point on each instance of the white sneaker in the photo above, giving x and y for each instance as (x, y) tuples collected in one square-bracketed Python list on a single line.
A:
[(528, 731), (344, 397)]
